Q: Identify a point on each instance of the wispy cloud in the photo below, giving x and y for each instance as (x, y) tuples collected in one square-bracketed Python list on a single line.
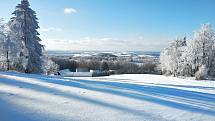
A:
[(70, 11), (105, 44), (51, 29)]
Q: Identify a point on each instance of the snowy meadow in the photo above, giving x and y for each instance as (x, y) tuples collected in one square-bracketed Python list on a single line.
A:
[(115, 98)]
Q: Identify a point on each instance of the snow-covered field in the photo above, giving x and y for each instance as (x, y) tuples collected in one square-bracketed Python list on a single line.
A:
[(115, 98)]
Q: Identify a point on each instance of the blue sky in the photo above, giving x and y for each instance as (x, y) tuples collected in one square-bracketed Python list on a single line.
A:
[(115, 25)]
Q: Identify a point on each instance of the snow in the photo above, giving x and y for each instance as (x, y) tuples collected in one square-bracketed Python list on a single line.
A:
[(115, 98)]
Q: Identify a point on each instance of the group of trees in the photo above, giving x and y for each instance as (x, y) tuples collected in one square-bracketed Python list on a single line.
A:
[(72, 64), (119, 67), (20, 46), (191, 57), (133, 68)]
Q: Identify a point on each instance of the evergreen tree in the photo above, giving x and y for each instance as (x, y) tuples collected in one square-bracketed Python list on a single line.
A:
[(23, 29)]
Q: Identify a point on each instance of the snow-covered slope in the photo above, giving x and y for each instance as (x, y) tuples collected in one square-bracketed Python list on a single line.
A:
[(115, 98)]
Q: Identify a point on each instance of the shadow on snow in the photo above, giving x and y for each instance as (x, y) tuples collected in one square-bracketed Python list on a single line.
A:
[(176, 98)]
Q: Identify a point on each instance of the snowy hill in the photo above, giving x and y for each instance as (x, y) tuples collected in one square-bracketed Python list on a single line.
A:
[(103, 53), (115, 98)]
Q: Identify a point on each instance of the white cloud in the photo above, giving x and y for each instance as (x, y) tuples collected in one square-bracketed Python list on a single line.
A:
[(51, 29), (106, 44), (70, 11)]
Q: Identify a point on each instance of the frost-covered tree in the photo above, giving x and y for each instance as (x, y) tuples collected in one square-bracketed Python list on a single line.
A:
[(193, 57), (184, 65), (23, 29), (3, 59), (10, 50), (17, 52), (171, 57), (165, 61), (201, 48)]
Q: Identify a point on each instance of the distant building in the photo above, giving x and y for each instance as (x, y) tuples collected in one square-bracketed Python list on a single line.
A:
[(82, 69)]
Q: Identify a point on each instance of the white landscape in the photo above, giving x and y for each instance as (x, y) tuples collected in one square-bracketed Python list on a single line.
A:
[(116, 98), (107, 60)]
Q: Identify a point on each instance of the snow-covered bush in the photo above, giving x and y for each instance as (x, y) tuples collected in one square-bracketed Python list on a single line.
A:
[(202, 73), (49, 67)]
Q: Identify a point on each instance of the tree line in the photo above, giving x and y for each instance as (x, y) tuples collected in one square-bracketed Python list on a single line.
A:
[(119, 67)]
